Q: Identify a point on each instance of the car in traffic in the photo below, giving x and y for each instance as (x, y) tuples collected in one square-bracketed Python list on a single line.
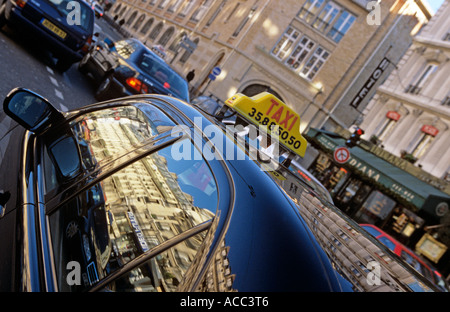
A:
[(98, 9), (407, 255), (63, 27), (128, 67), (147, 193)]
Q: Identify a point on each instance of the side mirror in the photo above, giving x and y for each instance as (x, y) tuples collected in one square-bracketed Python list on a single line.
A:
[(30, 110)]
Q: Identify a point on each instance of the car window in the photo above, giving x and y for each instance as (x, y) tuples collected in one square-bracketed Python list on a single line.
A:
[(100, 137), (126, 48), (387, 242), (131, 212), (162, 273), (374, 232), (159, 70), (86, 15)]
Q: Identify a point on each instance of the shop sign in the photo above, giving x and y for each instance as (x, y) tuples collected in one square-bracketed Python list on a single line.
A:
[(368, 85), (367, 170), (429, 130), (137, 231), (431, 248)]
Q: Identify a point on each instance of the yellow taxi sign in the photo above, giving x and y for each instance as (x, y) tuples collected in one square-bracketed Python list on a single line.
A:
[(267, 110)]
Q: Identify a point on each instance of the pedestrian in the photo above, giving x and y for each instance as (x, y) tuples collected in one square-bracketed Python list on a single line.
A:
[(190, 75)]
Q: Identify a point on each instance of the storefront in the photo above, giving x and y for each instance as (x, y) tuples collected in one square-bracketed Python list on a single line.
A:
[(372, 190)]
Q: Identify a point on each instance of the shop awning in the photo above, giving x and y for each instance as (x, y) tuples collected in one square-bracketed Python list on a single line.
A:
[(400, 183)]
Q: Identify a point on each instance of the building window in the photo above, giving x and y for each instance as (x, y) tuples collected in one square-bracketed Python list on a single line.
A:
[(218, 10), (284, 45), (244, 21), (423, 140), (201, 11), (175, 6), (327, 17), (424, 76), (387, 125), (341, 26), (166, 36), (446, 101), (163, 4), (139, 22), (446, 37), (186, 8), (155, 32), (314, 63), (147, 26), (301, 51)]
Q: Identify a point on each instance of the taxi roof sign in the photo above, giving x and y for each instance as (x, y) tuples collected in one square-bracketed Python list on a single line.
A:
[(266, 109)]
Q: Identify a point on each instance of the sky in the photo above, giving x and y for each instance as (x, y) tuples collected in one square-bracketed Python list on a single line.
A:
[(435, 4)]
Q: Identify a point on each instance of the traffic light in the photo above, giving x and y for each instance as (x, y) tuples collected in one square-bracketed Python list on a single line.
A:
[(355, 137)]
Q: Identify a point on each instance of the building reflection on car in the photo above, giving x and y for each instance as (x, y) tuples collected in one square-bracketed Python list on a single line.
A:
[(111, 192)]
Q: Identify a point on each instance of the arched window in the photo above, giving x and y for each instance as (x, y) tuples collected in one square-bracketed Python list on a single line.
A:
[(147, 26), (166, 36), (118, 8), (173, 47), (255, 89), (139, 22), (131, 18), (155, 32)]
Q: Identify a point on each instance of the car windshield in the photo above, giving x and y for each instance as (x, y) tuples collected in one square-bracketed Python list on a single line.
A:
[(69, 9), (169, 79)]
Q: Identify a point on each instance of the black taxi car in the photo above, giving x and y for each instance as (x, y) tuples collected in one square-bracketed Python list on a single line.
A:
[(147, 193), (63, 27), (128, 67)]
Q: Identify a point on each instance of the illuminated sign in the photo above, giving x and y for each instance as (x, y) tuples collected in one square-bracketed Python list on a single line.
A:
[(265, 109)]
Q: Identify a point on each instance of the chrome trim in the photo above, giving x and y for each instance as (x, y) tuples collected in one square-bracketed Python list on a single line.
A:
[(44, 233), (141, 259), (29, 253)]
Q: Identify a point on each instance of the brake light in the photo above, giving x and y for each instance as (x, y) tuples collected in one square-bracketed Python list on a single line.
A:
[(166, 85), (87, 45), (137, 85), (21, 3)]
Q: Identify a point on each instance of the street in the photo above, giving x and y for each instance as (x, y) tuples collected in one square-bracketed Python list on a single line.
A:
[(26, 65)]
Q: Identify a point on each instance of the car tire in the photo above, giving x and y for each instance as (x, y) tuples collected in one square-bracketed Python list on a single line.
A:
[(103, 92), (63, 65)]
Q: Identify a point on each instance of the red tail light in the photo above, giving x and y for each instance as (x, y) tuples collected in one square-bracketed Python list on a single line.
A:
[(137, 85), (166, 85), (21, 3), (87, 45)]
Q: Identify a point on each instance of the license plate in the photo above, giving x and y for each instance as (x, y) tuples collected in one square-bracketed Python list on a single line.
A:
[(54, 29)]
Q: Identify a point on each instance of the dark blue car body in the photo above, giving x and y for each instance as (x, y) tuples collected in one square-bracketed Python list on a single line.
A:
[(55, 26), (255, 235), (129, 67)]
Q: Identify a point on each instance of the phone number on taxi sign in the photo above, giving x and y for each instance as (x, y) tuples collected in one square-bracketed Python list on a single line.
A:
[(283, 134)]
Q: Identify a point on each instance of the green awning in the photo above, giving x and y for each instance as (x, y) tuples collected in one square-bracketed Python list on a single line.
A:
[(399, 182)]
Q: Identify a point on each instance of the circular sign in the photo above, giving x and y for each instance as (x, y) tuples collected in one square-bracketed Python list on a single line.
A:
[(441, 209), (216, 71), (341, 155)]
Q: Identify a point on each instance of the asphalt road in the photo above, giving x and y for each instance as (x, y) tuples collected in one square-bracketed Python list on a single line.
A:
[(24, 63)]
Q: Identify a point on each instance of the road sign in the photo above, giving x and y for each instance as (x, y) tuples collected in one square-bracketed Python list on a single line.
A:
[(341, 155), (212, 77), (216, 71)]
